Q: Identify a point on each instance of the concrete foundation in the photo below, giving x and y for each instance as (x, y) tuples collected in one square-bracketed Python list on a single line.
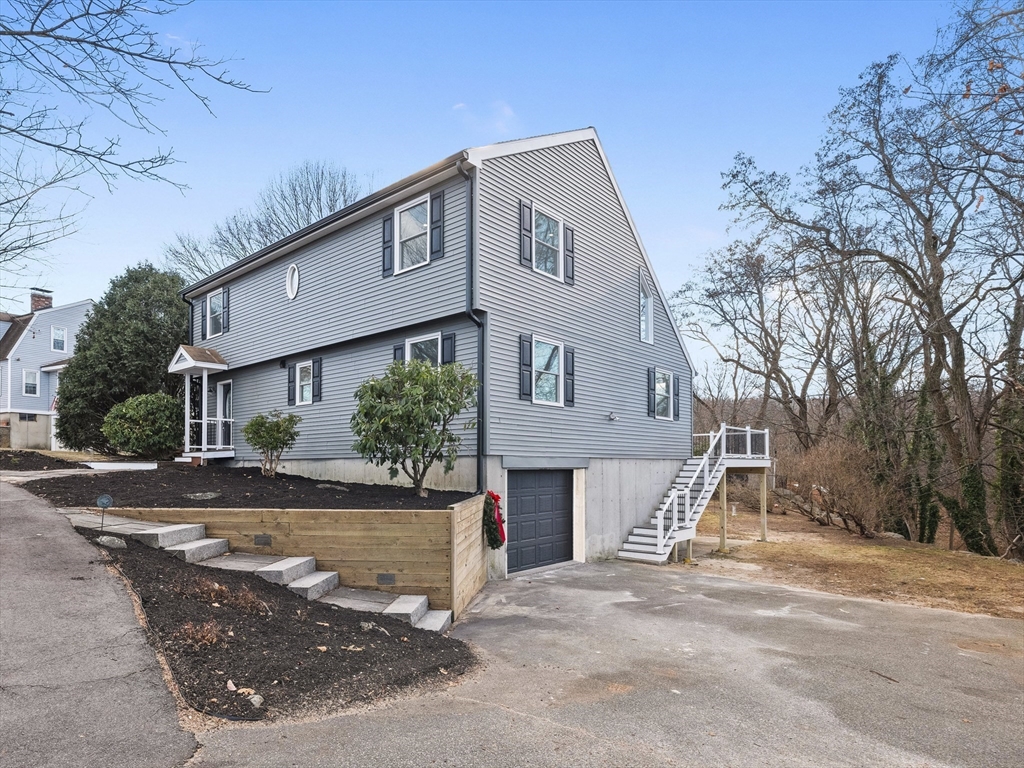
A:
[(28, 434), (461, 478)]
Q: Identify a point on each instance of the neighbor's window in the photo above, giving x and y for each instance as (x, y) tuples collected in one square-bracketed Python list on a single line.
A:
[(662, 395), (30, 381), (412, 235), (547, 244), (547, 370), (58, 339), (646, 314), (215, 310), (305, 389), (425, 348)]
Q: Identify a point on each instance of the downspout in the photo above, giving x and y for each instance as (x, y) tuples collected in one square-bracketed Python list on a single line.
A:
[(471, 314), (190, 318)]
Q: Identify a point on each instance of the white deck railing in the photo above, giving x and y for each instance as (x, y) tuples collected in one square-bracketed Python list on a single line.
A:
[(210, 435)]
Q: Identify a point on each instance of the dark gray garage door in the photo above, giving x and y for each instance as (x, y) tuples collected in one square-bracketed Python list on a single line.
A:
[(539, 518)]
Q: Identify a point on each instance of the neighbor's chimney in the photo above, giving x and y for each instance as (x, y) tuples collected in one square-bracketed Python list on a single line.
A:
[(41, 299)]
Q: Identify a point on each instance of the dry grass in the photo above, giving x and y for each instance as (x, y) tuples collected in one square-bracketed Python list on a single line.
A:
[(801, 553), (209, 591), (198, 636)]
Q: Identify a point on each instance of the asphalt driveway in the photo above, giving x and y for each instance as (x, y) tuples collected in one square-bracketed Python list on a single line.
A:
[(621, 664)]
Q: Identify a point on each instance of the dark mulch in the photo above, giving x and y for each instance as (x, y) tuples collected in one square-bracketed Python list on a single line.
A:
[(31, 461), (168, 484), (216, 626)]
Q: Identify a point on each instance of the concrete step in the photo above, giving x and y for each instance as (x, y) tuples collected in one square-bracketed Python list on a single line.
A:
[(642, 556), (410, 608), (240, 561), (169, 535), (435, 621), (315, 584), (287, 570), (366, 600), (198, 550)]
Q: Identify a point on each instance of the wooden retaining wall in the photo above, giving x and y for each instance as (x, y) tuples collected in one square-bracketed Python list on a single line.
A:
[(434, 552)]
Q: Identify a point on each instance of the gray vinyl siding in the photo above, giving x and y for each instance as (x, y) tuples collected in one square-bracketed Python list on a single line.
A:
[(598, 316), (33, 352), (342, 294), (324, 430)]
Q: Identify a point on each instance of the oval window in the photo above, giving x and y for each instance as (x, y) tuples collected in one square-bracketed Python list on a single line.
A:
[(291, 282)]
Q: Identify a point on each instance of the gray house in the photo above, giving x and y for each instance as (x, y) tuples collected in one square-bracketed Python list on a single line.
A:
[(34, 349), (519, 260)]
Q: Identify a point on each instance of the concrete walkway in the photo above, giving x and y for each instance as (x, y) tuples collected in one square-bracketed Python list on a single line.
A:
[(16, 477), (79, 685)]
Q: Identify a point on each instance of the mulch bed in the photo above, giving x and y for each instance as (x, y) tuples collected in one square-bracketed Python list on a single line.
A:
[(222, 629), (31, 461), (239, 487)]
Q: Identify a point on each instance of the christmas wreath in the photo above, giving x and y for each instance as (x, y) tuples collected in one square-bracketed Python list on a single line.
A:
[(494, 526)]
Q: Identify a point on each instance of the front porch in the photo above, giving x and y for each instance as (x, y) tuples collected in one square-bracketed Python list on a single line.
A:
[(206, 437)]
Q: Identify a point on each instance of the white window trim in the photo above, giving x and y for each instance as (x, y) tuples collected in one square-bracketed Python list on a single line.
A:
[(220, 395), (53, 329), (560, 259), (671, 384), (561, 371), (24, 381), (398, 234), (298, 383), (288, 281), (646, 291), (209, 314), (428, 337)]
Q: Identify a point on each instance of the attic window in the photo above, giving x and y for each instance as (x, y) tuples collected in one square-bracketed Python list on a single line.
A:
[(291, 281), (646, 313)]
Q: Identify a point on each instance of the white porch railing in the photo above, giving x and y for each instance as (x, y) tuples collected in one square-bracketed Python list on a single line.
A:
[(209, 435), (714, 448)]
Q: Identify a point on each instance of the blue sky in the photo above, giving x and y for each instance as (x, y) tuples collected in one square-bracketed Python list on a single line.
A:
[(674, 90)]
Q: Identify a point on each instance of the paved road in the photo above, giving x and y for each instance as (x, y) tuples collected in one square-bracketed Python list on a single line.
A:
[(79, 686), (619, 664)]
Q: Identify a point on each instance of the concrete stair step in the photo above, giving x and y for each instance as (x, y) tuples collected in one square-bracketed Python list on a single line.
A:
[(198, 550), (315, 584), (240, 561), (435, 621), (410, 608), (169, 535), (365, 600), (287, 570)]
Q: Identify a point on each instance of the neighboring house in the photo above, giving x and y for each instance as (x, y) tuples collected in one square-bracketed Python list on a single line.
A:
[(519, 260), (34, 349)]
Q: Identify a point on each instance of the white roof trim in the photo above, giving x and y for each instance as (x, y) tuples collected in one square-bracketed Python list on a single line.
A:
[(188, 364), (479, 154)]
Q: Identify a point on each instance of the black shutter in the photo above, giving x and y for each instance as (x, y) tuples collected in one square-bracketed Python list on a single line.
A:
[(436, 225), (447, 348), (675, 398), (652, 383), (202, 322), (316, 379), (526, 233), (526, 367), (569, 355), (399, 352), (569, 274), (191, 323), (291, 385), (224, 309), (388, 246)]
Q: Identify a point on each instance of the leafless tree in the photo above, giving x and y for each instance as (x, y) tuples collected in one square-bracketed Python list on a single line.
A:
[(290, 201), (63, 62)]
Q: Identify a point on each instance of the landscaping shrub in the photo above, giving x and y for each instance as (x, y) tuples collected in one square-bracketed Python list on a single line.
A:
[(148, 426), (271, 435)]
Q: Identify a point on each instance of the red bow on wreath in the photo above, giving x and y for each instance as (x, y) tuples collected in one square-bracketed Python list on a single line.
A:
[(494, 526)]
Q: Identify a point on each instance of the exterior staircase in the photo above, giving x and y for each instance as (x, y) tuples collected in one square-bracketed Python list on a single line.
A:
[(189, 542), (675, 518)]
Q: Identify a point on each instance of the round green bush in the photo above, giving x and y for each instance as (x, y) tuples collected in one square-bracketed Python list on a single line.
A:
[(147, 426)]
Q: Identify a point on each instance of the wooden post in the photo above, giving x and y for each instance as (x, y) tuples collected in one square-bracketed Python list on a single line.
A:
[(764, 504), (722, 514), (689, 551), (205, 408), (188, 412)]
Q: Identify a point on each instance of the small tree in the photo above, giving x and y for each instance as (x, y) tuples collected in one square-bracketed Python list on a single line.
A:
[(271, 435), (403, 419), (148, 426)]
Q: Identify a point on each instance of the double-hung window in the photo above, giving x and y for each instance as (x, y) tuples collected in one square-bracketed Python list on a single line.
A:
[(413, 226), (215, 314), (646, 313), (547, 372), (30, 383), (58, 339), (304, 391), (425, 348), (547, 244), (662, 394)]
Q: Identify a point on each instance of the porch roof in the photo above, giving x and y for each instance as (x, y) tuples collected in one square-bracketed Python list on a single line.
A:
[(188, 359)]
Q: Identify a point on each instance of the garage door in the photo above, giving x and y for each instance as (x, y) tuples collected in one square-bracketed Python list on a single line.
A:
[(539, 518)]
